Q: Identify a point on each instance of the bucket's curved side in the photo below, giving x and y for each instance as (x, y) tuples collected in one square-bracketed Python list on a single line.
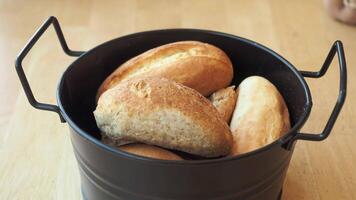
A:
[(105, 175)]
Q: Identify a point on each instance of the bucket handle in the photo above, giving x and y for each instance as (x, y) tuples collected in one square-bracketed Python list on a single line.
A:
[(336, 48), (24, 52)]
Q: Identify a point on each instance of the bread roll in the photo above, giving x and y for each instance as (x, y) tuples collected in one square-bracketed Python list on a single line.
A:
[(162, 112), (150, 151), (260, 117), (197, 65), (224, 101)]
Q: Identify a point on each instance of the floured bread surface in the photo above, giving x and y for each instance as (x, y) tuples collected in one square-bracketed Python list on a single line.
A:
[(161, 112), (150, 151), (224, 100), (260, 117), (198, 65)]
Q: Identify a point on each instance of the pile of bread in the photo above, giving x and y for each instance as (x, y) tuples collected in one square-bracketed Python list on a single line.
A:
[(178, 97)]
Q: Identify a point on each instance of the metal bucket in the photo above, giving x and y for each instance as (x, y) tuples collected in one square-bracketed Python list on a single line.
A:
[(108, 173)]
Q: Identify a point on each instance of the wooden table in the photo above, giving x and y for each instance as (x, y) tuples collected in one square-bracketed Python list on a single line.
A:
[(36, 158)]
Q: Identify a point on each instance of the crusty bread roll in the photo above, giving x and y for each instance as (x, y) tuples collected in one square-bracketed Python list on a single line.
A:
[(162, 112), (197, 65), (224, 101), (150, 151), (260, 117)]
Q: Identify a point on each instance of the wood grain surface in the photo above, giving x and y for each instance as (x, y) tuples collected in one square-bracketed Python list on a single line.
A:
[(36, 158)]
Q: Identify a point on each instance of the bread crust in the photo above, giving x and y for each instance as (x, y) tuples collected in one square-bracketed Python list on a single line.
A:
[(162, 112), (260, 117), (150, 151), (198, 65), (224, 100), (114, 143)]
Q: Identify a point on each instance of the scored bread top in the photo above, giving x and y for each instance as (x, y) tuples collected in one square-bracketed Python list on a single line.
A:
[(164, 113), (198, 65)]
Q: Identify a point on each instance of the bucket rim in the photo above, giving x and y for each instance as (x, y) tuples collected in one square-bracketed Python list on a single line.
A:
[(281, 141)]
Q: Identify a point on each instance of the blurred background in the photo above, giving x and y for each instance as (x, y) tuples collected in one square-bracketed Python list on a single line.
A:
[(35, 151)]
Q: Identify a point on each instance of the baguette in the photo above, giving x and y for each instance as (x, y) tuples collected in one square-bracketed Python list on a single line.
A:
[(150, 151), (161, 112), (260, 117), (198, 65), (224, 100)]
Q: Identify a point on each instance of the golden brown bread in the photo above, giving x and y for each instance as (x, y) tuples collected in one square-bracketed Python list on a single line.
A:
[(198, 65), (260, 117), (225, 100), (150, 151), (161, 112)]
